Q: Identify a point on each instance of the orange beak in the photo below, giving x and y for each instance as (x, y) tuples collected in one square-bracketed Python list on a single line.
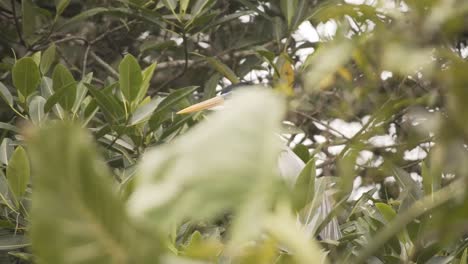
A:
[(207, 104)]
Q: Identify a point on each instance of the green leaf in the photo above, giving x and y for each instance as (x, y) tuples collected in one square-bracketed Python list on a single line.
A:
[(209, 90), (28, 17), (302, 152), (183, 183), (153, 45), (464, 257), (6, 126), (198, 7), (46, 92), (26, 76), (183, 6), (82, 16), (389, 214), (36, 57), (18, 173), (168, 102), (36, 109), (81, 91), (130, 78), (171, 5), (75, 204), (6, 95), (386, 210), (223, 69), (60, 6), (147, 75), (304, 188), (6, 150), (48, 59), (144, 112), (64, 83), (13, 241), (318, 66), (288, 7), (109, 104), (57, 97)]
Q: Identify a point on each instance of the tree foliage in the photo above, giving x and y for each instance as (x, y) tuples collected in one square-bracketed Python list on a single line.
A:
[(97, 167)]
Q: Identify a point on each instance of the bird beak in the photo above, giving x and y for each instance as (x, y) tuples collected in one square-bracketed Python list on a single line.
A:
[(207, 104)]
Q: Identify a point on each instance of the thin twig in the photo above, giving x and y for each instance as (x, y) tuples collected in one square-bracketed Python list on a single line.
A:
[(182, 73), (17, 26), (85, 60), (321, 123), (104, 64), (100, 37)]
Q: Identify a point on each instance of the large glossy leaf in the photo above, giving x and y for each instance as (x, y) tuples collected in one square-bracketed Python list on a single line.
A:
[(26, 76), (18, 172), (64, 83), (75, 205), (130, 78), (227, 162)]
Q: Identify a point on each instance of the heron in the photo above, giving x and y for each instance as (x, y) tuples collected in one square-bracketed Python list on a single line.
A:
[(289, 168)]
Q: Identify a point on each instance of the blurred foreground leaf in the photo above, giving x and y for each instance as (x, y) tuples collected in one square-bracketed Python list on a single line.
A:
[(226, 163), (76, 216)]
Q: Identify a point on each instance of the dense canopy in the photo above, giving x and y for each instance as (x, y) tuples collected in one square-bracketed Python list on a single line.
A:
[(373, 96)]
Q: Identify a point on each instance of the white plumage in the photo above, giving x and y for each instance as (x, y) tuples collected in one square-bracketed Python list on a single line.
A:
[(290, 166)]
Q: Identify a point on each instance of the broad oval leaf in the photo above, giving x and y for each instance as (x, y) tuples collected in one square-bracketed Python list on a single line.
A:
[(64, 83), (26, 76), (130, 78), (18, 172)]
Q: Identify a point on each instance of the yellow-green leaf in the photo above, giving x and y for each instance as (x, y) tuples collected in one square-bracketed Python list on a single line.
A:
[(26, 76), (130, 77), (18, 172), (47, 59)]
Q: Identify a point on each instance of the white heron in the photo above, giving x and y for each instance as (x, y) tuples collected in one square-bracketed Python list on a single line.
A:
[(290, 166)]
